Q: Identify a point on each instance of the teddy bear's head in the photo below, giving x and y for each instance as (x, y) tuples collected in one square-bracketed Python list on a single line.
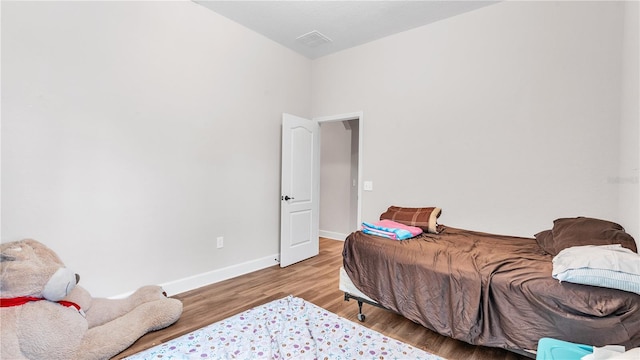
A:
[(28, 268)]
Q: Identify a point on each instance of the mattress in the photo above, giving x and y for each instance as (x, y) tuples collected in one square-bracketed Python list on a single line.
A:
[(346, 285)]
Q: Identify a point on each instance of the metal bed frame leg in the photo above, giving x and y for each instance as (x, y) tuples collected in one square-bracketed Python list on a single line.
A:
[(361, 317)]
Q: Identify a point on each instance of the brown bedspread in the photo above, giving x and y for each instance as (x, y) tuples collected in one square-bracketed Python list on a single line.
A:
[(487, 289)]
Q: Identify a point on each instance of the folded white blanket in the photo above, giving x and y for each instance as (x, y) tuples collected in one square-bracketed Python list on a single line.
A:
[(612, 352)]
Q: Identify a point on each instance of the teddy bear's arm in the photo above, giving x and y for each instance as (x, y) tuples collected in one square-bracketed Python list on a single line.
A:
[(99, 311)]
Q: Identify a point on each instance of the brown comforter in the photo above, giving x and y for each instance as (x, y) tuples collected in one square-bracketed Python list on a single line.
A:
[(487, 289)]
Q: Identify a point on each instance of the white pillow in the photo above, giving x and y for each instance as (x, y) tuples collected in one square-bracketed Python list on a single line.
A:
[(610, 266)]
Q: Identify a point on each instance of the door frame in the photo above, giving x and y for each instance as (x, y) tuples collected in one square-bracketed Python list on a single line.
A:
[(358, 115)]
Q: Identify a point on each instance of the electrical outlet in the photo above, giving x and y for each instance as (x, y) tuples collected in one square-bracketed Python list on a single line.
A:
[(220, 242)]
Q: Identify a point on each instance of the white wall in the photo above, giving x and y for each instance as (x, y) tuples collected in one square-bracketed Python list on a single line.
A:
[(506, 116), (627, 181), (135, 133)]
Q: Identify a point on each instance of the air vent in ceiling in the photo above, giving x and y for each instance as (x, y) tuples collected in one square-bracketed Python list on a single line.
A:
[(313, 39)]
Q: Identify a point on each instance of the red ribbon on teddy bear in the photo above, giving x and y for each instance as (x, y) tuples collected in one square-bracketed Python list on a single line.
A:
[(25, 299)]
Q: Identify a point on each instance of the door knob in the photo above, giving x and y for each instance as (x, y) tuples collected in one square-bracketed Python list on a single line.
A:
[(286, 197)]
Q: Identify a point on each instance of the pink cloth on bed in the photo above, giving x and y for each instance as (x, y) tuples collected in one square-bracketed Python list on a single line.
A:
[(392, 224)]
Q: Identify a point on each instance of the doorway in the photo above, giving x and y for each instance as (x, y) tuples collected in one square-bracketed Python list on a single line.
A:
[(340, 174)]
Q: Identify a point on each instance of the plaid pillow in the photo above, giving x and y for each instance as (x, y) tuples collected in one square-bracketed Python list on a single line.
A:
[(424, 218)]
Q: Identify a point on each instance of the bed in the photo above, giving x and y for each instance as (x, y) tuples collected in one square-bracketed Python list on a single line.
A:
[(493, 290)]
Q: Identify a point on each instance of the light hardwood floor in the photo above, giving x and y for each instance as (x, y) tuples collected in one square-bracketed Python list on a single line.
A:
[(315, 280)]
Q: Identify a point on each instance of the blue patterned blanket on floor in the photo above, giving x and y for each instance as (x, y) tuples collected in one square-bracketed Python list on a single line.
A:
[(289, 328)]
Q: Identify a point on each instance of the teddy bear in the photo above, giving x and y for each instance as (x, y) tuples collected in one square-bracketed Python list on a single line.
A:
[(45, 315)]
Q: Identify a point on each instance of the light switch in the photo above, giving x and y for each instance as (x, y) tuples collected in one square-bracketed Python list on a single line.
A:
[(368, 185)]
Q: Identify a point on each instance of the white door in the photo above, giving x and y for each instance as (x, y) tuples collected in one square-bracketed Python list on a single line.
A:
[(299, 209)]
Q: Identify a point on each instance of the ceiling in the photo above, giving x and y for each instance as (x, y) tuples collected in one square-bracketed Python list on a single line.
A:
[(344, 23)]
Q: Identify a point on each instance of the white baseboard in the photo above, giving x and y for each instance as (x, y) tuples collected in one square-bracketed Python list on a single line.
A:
[(214, 276), (332, 235)]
